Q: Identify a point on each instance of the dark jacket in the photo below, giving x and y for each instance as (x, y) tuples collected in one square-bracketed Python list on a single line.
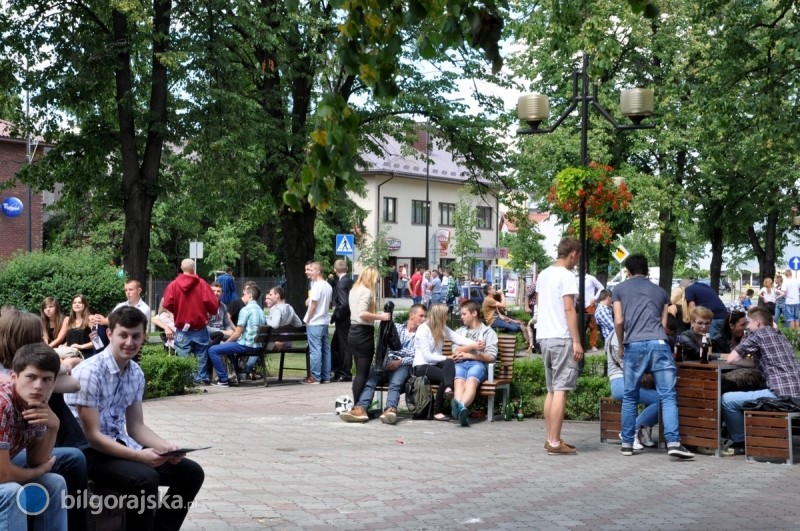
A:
[(388, 338), (341, 300)]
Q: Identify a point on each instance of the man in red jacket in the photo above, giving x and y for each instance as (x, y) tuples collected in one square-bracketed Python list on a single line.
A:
[(415, 286), (191, 301)]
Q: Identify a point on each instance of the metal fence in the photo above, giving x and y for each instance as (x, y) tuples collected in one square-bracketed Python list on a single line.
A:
[(154, 289)]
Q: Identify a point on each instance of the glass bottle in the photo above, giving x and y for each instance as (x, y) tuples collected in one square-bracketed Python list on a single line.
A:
[(705, 349)]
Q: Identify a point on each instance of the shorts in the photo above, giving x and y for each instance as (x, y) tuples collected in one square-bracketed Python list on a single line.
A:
[(561, 371), (791, 312), (471, 369)]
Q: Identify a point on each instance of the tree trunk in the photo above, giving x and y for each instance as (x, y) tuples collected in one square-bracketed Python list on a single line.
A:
[(667, 248), (140, 183), (716, 257), (766, 254), (299, 244)]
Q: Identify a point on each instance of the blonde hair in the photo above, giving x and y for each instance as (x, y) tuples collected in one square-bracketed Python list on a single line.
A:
[(701, 312), (678, 298), (437, 322), (768, 284), (367, 279)]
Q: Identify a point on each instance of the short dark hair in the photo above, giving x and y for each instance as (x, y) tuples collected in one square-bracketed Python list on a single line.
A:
[(254, 292), (38, 355), (636, 264), (416, 307), (486, 288), (471, 306), (603, 295), (279, 292), (761, 313), (127, 317), (567, 246), (216, 284)]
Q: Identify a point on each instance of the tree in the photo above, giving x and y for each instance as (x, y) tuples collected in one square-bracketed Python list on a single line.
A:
[(466, 245), (524, 245)]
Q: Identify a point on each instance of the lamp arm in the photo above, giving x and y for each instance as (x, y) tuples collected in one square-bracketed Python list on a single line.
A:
[(555, 125)]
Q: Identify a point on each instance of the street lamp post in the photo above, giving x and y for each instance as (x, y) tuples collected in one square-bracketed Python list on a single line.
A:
[(636, 104)]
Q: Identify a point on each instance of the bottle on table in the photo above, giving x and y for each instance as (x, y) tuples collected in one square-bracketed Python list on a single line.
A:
[(705, 349), (678, 353)]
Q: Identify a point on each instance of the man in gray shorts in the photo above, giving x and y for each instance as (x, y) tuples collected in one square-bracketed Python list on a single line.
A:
[(559, 339), (640, 321)]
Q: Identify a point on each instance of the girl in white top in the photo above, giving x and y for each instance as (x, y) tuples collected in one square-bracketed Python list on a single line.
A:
[(362, 329), (429, 360)]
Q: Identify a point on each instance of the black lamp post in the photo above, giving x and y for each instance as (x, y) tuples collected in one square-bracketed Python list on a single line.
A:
[(636, 104)]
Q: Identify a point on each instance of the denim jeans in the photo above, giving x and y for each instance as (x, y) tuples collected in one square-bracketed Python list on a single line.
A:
[(54, 517), (196, 341), (716, 328), (780, 309), (508, 326), (648, 397), (320, 352), (397, 380), (655, 357), (230, 349), (71, 465), (733, 412)]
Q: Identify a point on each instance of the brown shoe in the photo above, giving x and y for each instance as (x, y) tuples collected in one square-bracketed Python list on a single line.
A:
[(565, 443), (389, 416), (561, 449), (357, 414), (310, 380)]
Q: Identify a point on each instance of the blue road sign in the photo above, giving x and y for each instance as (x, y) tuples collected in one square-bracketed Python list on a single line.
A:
[(345, 245), (794, 263)]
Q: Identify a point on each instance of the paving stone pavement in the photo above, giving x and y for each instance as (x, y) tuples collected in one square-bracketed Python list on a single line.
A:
[(282, 459)]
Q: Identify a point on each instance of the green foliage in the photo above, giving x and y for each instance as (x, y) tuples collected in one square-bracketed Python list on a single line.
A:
[(375, 251), (794, 338), (166, 375), (467, 236), (28, 278), (582, 404), (524, 245)]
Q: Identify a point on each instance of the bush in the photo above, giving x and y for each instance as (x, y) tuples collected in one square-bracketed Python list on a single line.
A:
[(166, 375), (794, 338), (27, 279), (582, 404)]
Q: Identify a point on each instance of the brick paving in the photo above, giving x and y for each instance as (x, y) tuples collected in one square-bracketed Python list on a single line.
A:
[(281, 459)]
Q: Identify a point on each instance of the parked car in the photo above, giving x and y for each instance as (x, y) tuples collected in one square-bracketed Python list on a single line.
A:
[(472, 292)]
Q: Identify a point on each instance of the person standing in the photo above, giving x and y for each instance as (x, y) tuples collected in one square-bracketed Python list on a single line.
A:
[(394, 278), (362, 329), (640, 322), (341, 356), (191, 301), (415, 286), (317, 321), (792, 302), (780, 300), (559, 339), (229, 291), (591, 289), (699, 294)]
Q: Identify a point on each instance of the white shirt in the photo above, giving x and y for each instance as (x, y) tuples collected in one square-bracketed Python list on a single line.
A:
[(553, 284), (321, 292), (426, 352), (591, 288), (792, 288), (141, 306)]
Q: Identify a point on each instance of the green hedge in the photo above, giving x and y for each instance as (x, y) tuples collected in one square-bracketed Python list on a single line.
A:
[(582, 404), (28, 278), (166, 375)]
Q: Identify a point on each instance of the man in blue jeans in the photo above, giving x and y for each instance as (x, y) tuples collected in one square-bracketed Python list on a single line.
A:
[(640, 322), (191, 301), (243, 339), (398, 367), (768, 350), (317, 321)]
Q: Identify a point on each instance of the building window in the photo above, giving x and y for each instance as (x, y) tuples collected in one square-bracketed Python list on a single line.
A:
[(390, 209), (484, 218), (419, 213), (447, 214)]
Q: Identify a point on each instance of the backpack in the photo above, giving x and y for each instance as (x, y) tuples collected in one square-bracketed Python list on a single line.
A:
[(418, 395)]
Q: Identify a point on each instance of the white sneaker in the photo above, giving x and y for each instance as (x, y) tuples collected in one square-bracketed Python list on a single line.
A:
[(646, 436), (636, 444)]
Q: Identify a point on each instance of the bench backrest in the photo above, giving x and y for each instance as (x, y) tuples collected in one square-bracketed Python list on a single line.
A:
[(285, 334)]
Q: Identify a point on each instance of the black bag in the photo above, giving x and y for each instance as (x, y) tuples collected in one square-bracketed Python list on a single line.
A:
[(418, 395)]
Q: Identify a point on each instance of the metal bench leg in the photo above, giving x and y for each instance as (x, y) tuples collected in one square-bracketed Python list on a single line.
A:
[(280, 369), (490, 409)]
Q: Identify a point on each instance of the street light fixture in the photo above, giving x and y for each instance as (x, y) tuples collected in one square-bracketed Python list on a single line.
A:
[(635, 103)]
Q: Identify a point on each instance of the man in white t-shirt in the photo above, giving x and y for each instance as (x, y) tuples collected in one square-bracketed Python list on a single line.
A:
[(559, 339), (792, 304), (317, 321)]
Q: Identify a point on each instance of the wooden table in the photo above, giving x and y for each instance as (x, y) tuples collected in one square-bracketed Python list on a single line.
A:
[(699, 409)]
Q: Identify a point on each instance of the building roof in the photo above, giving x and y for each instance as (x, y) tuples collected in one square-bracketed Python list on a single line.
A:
[(410, 161), (5, 129), (535, 217)]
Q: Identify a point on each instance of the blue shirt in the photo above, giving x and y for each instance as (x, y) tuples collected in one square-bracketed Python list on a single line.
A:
[(250, 319)]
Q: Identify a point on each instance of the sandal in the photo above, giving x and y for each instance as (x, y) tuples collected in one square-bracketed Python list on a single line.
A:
[(441, 417)]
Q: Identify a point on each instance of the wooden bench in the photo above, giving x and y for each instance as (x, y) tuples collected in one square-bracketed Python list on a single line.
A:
[(500, 375), (293, 339), (768, 435), (698, 395), (105, 519), (610, 419)]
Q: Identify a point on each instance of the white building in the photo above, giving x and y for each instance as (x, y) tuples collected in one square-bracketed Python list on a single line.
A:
[(397, 183)]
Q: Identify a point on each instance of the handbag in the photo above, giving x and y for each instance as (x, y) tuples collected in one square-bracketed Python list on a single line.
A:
[(418, 395)]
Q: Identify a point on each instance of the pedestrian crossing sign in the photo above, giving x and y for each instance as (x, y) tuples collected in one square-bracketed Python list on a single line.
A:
[(345, 245)]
